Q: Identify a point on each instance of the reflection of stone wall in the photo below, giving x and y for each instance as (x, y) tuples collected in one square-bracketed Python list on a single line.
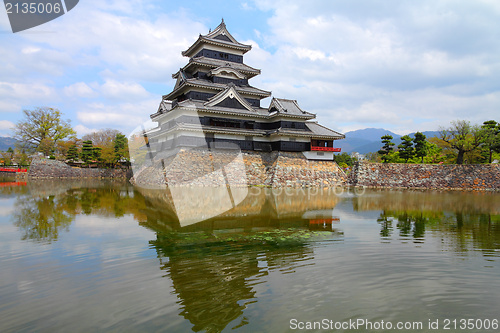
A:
[(53, 187), (428, 201), (260, 206), (45, 168), (429, 176), (278, 169)]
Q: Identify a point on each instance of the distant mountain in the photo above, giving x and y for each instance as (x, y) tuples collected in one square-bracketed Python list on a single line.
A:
[(428, 134), (368, 140), (371, 134), (6, 142), (364, 141)]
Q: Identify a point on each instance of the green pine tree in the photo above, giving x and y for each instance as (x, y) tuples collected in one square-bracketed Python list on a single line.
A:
[(387, 148), (420, 146), (72, 154), (121, 148), (491, 139), (87, 151), (406, 150), (96, 154)]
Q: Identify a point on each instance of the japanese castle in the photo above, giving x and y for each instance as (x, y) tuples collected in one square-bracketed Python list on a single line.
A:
[(214, 105)]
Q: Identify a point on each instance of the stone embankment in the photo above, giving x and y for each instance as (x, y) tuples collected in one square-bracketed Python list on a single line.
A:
[(198, 167), (202, 167), (427, 176), (42, 168)]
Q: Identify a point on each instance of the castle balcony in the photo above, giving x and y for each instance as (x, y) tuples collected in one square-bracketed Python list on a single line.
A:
[(318, 148)]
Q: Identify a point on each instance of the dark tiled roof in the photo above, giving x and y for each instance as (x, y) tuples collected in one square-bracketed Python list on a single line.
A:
[(257, 111), (221, 33), (194, 82), (218, 42), (214, 63), (200, 105), (321, 130), (312, 132), (240, 89), (219, 36), (288, 106)]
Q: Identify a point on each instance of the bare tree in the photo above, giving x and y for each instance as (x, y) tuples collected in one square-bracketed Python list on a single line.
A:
[(103, 137)]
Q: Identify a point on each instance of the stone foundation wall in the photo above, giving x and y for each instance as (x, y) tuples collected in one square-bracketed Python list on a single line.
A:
[(46, 169), (293, 169), (427, 176), (196, 167)]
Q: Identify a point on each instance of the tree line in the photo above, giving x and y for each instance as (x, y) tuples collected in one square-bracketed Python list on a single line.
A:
[(42, 130), (459, 143)]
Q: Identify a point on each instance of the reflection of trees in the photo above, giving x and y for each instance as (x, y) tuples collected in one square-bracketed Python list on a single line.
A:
[(42, 212), (463, 231), (385, 225), (41, 219), (409, 224), (473, 232), (89, 200), (465, 220)]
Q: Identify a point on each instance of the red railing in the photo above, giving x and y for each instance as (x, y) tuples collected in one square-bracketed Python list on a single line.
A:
[(13, 170), (325, 221), (9, 184), (336, 150)]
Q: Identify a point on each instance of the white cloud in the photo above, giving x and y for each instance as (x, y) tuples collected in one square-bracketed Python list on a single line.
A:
[(79, 89), (133, 46), (116, 51), (305, 53), (405, 63), (13, 96), (81, 130), (123, 90), (6, 127), (401, 65), (110, 90), (29, 50), (125, 116), (5, 124), (22, 90)]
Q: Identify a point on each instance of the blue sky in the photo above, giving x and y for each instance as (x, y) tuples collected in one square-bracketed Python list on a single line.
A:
[(401, 65)]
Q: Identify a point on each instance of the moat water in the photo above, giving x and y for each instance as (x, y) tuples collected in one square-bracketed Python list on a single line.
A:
[(87, 257)]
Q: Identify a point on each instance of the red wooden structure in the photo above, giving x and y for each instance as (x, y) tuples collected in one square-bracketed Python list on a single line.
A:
[(4, 169), (336, 150), (8, 184)]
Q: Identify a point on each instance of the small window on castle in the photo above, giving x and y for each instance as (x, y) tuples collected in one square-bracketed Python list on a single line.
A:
[(320, 153), (293, 139)]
